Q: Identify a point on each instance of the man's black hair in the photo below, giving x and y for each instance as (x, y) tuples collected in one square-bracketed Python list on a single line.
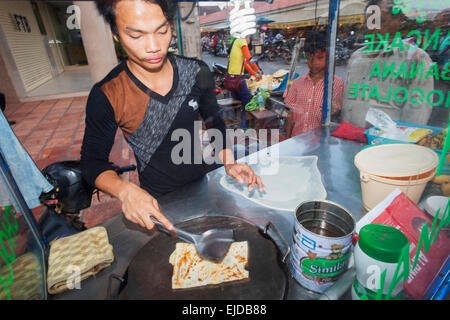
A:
[(315, 41), (106, 8)]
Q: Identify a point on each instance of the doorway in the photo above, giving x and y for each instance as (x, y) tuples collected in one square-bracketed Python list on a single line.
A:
[(67, 37)]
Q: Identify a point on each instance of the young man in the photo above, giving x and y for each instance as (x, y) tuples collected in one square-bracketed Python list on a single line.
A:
[(305, 96), (149, 96)]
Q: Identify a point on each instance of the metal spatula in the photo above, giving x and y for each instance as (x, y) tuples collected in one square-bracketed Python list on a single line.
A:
[(211, 245)]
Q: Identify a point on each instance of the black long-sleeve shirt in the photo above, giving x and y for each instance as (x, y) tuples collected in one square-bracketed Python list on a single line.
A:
[(152, 124)]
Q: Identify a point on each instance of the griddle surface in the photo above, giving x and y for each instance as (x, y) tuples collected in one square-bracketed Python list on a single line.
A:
[(150, 273)]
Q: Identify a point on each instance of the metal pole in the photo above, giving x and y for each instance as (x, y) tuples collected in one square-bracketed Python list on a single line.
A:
[(180, 44), (294, 59), (333, 15)]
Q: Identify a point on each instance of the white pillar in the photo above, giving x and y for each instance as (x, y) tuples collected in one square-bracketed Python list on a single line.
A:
[(97, 40)]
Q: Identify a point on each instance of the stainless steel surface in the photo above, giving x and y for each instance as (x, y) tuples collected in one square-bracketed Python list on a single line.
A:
[(278, 101), (339, 176), (150, 272), (212, 244), (206, 197)]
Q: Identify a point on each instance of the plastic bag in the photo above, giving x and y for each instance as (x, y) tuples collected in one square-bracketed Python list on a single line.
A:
[(380, 119)]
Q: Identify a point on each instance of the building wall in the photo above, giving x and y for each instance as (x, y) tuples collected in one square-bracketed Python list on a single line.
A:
[(6, 85), (27, 48)]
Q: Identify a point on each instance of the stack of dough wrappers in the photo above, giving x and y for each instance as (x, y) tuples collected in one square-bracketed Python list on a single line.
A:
[(87, 252)]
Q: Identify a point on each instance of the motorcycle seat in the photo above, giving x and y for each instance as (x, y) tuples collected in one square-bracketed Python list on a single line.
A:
[(220, 66)]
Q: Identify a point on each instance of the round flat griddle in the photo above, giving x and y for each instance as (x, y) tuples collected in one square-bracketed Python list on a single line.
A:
[(150, 273)]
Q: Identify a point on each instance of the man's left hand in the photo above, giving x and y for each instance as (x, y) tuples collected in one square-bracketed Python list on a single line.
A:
[(242, 172), (258, 75)]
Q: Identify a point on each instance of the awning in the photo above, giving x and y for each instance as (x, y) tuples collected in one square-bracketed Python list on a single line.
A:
[(214, 27), (350, 11)]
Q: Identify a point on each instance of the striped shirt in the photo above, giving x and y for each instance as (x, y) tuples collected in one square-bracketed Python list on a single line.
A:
[(151, 124), (306, 99)]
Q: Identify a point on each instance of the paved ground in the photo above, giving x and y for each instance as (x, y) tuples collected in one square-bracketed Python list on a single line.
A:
[(53, 131)]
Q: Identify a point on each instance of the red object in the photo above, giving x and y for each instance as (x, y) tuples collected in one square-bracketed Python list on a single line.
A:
[(355, 239), (349, 131), (404, 215)]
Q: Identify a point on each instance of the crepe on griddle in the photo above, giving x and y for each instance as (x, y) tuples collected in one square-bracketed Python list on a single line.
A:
[(189, 270)]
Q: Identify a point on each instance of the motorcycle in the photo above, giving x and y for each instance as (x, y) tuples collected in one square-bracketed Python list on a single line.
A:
[(205, 46), (269, 50), (221, 49), (70, 195), (278, 49), (342, 54), (284, 52), (219, 71)]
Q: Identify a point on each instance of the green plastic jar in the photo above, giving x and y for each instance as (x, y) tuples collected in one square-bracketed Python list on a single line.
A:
[(379, 248)]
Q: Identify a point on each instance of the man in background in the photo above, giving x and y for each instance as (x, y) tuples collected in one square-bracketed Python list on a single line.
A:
[(239, 59)]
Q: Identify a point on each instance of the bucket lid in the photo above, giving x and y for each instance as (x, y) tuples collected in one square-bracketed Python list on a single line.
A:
[(382, 242), (396, 160)]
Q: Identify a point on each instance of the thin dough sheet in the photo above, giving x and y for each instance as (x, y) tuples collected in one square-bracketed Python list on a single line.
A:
[(297, 179)]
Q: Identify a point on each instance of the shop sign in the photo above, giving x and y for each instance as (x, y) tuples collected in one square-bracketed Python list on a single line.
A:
[(20, 22)]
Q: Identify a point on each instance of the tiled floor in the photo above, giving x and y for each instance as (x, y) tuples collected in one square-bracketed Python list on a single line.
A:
[(76, 80), (53, 131)]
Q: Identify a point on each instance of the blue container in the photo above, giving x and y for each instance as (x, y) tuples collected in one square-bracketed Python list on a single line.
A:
[(376, 140)]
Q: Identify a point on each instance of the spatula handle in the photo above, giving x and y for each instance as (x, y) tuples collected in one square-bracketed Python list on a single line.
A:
[(178, 233)]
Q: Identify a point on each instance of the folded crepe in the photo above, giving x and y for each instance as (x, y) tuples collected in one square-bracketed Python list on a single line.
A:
[(189, 270)]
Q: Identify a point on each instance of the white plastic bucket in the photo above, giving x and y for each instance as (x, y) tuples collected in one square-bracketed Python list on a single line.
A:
[(388, 167), (375, 189)]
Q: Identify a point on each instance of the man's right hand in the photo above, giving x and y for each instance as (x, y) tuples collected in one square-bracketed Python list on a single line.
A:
[(138, 205)]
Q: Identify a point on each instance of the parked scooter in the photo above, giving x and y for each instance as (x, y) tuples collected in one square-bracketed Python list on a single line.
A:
[(70, 195), (342, 54), (278, 49), (219, 71), (221, 49)]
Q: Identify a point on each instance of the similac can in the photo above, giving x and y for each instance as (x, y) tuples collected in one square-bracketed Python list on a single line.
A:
[(322, 239)]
